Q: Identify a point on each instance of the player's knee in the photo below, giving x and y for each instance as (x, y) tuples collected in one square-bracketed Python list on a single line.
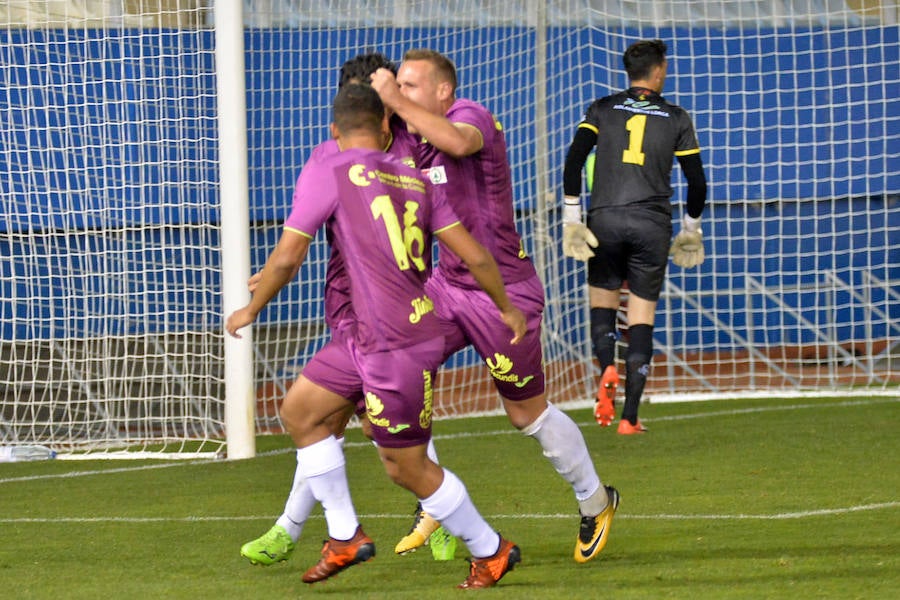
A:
[(337, 422), (400, 471), (393, 470), (523, 413), (290, 415)]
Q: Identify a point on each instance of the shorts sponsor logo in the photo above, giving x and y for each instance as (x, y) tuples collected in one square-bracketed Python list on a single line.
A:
[(374, 407), (501, 367), (524, 382), (425, 415)]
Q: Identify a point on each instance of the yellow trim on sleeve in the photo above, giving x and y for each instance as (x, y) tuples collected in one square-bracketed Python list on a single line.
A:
[(688, 152), (454, 224), (303, 233), (588, 126), (461, 124)]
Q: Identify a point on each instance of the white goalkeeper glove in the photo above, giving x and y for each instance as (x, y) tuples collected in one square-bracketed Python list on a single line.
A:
[(687, 247), (577, 238)]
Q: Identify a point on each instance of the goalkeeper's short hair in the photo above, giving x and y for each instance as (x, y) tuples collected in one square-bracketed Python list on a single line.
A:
[(642, 56)]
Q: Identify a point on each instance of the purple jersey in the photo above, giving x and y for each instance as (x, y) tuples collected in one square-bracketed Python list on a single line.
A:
[(338, 310), (405, 146), (479, 188), (382, 218)]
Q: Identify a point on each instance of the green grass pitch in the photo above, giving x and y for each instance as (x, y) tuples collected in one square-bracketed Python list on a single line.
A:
[(762, 498)]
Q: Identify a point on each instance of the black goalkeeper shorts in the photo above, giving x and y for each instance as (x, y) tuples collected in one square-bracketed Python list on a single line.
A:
[(633, 246)]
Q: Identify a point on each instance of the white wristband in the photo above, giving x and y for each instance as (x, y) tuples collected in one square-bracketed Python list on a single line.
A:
[(572, 210), (689, 223)]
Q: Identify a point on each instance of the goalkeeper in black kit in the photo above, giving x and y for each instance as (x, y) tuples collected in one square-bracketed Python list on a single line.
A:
[(636, 134)]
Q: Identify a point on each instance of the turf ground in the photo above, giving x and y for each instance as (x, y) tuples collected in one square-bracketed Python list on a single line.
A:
[(732, 499)]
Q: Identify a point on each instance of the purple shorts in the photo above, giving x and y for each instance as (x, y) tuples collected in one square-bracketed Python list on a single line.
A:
[(333, 368), (399, 392), (470, 317)]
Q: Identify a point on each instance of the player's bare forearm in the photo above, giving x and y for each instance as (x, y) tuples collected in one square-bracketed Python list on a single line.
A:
[(281, 267), (268, 283), (255, 278), (457, 141), (437, 129), (272, 279)]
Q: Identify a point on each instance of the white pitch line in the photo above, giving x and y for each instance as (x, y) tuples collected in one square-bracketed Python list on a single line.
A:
[(464, 435), (654, 517), (717, 413)]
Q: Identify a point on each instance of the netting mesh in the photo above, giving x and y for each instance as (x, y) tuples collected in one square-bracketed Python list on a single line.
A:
[(110, 225)]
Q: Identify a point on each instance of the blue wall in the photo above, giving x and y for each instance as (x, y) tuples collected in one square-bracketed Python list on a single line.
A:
[(87, 116)]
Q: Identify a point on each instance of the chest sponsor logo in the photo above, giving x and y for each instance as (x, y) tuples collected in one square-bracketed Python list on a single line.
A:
[(421, 306)]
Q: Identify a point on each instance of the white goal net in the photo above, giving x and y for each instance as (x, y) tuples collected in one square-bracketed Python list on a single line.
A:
[(111, 277)]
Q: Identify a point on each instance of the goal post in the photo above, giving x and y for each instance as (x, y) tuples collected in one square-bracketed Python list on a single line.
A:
[(111, 307), (126, 236), (240, 391)]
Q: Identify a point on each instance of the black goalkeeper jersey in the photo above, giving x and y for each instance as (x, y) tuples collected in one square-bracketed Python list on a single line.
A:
[(638, 135)]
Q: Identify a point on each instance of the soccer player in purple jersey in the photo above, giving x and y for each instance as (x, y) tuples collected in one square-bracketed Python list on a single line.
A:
[(468, 160), (331, 367), (382, 216)]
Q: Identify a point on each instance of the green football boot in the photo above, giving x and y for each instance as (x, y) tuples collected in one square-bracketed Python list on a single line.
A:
[(275, 546)]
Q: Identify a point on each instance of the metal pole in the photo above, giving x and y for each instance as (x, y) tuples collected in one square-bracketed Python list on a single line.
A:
[(240, 396)]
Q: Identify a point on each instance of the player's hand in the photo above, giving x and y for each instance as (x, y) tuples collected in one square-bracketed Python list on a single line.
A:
[(515, 320), (687, 247), (578, 241), (238, 319), (385, 83), (254, 281)]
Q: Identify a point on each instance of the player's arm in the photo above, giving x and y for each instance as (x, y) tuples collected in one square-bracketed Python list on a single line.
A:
[(255, 278), (281, 267), (455, 139), (577, 238), (484, 268), (584, 141), (692, 166)]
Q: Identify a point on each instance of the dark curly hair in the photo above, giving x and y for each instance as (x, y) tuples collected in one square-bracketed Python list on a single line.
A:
[(359, 69)]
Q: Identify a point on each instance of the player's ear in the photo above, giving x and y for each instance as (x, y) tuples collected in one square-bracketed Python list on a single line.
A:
[(445, 90), (335, 134)]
